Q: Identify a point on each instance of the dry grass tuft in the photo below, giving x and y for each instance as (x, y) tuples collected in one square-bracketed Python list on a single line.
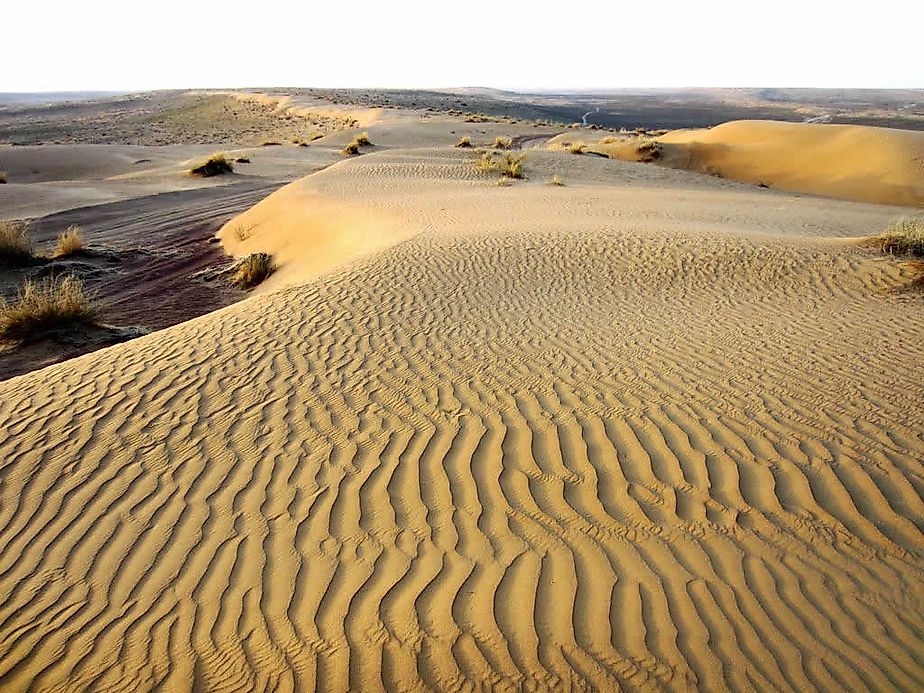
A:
[(648, 151), (350, 150), (70, 242), (215, 165), (15, 244), (502, 143), (2, 177), (464, 142), (509, 166), (270, 143), (44, 306), (253, 269), (904, 238), (555, 180), (363, 140), (577, 148)]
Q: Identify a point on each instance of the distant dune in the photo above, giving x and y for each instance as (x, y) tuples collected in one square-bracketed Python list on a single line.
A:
[(850, 162)]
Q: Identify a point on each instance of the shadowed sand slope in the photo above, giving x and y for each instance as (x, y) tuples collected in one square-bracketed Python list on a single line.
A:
[(553, 438), (851, 162)]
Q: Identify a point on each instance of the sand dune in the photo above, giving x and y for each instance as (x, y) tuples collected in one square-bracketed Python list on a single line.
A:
[(649, 430), (851, 162)]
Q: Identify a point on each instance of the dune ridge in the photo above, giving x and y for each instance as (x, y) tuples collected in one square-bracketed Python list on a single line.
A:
[(551, 439), (852, 162)]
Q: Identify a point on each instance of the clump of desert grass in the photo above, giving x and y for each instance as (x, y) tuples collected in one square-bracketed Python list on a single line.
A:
[(904, 238), (502, 143), (361, 140), (509, 166), (15, 243), (2, 177), (556, 180), (464, 143), (648, 151), (270, 143), (577, 148), (252, 270), (70, 242), (41, 307), (216, 165)]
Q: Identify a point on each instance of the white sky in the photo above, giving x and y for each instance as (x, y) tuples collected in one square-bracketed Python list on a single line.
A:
[(102, 44)]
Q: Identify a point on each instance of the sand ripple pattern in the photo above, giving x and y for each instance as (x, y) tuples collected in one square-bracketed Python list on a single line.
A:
[(535, 461)]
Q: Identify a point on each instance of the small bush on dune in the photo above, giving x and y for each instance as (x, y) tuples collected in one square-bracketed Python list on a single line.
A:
[(362, 140), (253, 269), (15, 243), (576, 148), (350, 150), (904, 238), (555, 180), (70, 242), (508, 166), (502, 143), (44, 306), (648, 151), (215, 165), (464, 142)]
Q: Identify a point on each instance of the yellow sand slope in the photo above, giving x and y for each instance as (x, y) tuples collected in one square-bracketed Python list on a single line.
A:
[(645, 431), (850, 162)]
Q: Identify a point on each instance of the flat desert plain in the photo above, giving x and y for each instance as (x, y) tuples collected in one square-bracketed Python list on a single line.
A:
[(612, 426)]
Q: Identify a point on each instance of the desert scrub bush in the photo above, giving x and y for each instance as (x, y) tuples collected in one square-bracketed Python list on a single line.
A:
[(509, 166), (362, 140), (44, 306), (215, 165), (350, 150), (904, 238), (576, 148), (464, 142), (648, 151), (502, 143), (555, 180), (70, 242), (253, 269), (15, 243)]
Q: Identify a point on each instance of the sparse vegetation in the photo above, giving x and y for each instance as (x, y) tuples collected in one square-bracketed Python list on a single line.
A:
[(555, 180), (509, 166), (270, 143), (648, 151), (352, 148), (44, 306), (502, 143), (2, 177), (904, 238), (70, 242), (215, 165), (253, 269), (15, 243), (577, 148), (464, 142)]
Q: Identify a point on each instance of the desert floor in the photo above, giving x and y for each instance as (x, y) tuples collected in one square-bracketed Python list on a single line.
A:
[(645, 430)]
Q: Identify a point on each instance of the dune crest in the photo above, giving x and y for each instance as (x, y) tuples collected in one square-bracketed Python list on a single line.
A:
[(851, 162)]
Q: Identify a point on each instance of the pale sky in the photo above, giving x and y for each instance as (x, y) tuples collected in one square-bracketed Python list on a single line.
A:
[(73, 45)]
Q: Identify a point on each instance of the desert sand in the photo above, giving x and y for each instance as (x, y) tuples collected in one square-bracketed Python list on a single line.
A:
[(851, 162), (648, 430)]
